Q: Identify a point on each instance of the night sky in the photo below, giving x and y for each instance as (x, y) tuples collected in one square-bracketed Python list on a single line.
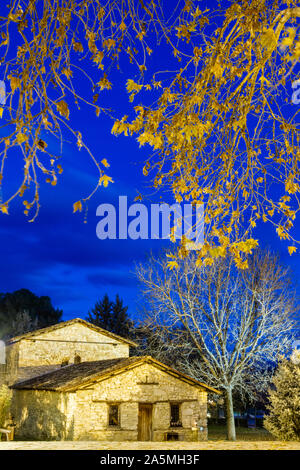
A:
[(59, 255)]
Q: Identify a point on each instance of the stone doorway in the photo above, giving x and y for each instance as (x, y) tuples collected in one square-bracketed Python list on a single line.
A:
[(145, 422)]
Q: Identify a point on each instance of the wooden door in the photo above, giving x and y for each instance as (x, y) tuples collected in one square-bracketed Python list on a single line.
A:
[(145, 422)]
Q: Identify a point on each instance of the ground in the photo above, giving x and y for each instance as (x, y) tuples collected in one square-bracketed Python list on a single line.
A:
[(218, 432), (105, 445), (247, 439)]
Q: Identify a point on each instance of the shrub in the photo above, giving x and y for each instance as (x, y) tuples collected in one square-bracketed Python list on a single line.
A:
[(283, 420)]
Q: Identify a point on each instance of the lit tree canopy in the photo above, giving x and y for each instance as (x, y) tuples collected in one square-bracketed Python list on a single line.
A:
[(222, 127), (222, 131), (45, 47)]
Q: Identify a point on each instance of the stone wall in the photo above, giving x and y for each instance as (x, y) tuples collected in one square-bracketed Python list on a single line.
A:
[(128, 389), (43, 415), (83, 415), (67, 342), (50, 349)]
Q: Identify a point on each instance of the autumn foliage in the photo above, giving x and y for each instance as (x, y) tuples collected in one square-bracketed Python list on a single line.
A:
[(221, 127)]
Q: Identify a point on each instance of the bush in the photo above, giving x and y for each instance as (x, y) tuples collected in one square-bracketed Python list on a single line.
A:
[(5, 400), (283, 420)]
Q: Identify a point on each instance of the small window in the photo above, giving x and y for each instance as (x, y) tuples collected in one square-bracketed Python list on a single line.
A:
[(64, 363), (175, 415), (172, 436), (77, 359), (113, 415)]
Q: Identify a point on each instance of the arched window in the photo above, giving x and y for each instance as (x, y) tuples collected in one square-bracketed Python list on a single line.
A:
[(77, 359)]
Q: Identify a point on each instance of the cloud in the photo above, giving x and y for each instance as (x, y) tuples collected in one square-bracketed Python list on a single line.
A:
[(113, 278)]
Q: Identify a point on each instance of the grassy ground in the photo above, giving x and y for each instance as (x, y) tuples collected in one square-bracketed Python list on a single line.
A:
[(218, 433), (247, 439)]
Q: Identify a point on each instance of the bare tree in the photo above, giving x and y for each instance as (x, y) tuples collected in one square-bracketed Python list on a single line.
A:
[(235, 322)]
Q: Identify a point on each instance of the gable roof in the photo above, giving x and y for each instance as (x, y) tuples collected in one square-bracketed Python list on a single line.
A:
[(57, 326), (80, 376)]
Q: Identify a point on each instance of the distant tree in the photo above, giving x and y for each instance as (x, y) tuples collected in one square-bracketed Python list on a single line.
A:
[(283, 420), (24, 323), (122, 324), (111, 316), (100, 315), (22, 311)]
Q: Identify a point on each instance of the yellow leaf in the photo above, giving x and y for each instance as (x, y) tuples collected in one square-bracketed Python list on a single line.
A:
[(15, 83), (292, 249), (263, 79), (104, 83), (105, 163), (78, 47), (105, 179), (1, 112), (41, 144), (268, 39), (271, 212), (131, 86), (4, 209), (77, 206), (67, 72), (172, 265), (21, 138), (283, 235), (291, 187), (288, 41), (63, 109)]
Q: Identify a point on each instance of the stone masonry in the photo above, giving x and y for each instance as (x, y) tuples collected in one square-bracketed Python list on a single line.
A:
[(81, 412), (46, 351)]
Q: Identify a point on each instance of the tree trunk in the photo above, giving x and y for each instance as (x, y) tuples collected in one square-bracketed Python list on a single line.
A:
[(231, 436)]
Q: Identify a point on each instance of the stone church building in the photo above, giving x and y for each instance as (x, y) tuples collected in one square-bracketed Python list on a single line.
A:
[(75, 381)]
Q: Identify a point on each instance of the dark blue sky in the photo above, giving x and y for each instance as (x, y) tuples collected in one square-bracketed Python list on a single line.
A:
[(59, 255)]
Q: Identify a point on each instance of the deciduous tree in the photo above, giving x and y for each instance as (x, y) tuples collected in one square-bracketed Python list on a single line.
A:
[(230, 324), (222, 127)]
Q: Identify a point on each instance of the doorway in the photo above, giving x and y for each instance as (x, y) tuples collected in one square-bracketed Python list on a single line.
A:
[(145, 422)]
